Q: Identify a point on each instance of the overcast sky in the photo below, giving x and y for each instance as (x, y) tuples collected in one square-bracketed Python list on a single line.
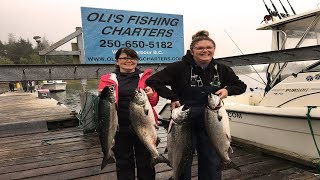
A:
[(56, 19)]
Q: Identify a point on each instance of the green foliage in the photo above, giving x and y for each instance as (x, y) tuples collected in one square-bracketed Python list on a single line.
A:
[(35, 59), (17, 49), (23, 60), (4, 60), (59, 59)]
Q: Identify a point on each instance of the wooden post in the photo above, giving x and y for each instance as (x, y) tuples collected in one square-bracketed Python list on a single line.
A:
[(76, 59)]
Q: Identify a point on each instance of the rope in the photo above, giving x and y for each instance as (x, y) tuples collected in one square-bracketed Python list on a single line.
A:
[(312, 133), (81, 113)]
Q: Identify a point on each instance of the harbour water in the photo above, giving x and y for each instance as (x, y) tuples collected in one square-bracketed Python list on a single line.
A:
[(71, 97)]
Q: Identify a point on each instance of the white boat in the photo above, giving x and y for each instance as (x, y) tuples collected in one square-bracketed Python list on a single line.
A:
[(286, 119), (54, 85)]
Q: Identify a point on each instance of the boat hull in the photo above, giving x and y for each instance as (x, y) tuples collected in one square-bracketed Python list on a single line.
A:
[(59, 86), (285, 130)]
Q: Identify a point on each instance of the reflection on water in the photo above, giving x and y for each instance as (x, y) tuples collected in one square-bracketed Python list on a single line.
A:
[(71, 97)]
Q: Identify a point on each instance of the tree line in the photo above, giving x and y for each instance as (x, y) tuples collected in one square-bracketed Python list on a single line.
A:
[(21, 51)]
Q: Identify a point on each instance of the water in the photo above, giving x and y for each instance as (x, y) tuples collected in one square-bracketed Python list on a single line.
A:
[(71, 97)]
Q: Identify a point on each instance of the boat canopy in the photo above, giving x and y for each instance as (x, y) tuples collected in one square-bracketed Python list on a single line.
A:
[(300, 30)]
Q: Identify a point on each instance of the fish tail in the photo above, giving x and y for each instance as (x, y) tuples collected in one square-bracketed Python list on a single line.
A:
[(107, 160), (234, 166), (104, 162), (160, 159), (229, 165)]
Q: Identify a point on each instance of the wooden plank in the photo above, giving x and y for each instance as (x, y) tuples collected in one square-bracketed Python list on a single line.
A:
[(47, 141), (38, 159), (45, 149), (52, 172), (108, 176), (258, 169), (281, 153), (50, 160), (73, 155), (65, 53), (297, 173), (25, 113), (22, 139), (61, 42), (96, 154), (10, 129), (167, 174)]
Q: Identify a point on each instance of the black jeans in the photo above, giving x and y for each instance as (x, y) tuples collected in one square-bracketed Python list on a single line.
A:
[(208, 159), (129, 150)]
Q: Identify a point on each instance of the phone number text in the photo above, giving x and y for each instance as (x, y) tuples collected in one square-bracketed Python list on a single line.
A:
[(135, 44)]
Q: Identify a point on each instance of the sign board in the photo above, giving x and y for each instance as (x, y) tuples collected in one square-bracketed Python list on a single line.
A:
[(157, 38)]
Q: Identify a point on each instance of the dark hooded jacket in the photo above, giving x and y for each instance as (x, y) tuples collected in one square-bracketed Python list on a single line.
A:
[(177, 75)]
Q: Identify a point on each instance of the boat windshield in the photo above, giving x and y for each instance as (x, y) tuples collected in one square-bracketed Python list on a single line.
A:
[(295, 32)]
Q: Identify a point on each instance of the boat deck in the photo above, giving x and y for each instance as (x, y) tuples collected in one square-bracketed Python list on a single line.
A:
[(69, 154)]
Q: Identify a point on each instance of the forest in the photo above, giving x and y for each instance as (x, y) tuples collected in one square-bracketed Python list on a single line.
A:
[(21, 51)]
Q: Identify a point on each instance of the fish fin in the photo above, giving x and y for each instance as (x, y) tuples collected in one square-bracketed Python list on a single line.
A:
[(158, 141), (166, 150), (230, 150), (159, 159), (107, 160), (170, 125), (103, 163), (228, 137), (146, 111), (219, 116)]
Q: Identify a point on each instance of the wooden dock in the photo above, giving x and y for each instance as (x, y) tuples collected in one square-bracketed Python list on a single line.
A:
[(69, 154), (30, 149), (24, 112)]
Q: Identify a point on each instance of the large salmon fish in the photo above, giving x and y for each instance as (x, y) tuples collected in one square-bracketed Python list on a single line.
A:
[(217, 126), (108, 123), (179, 141), (144, 125)]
